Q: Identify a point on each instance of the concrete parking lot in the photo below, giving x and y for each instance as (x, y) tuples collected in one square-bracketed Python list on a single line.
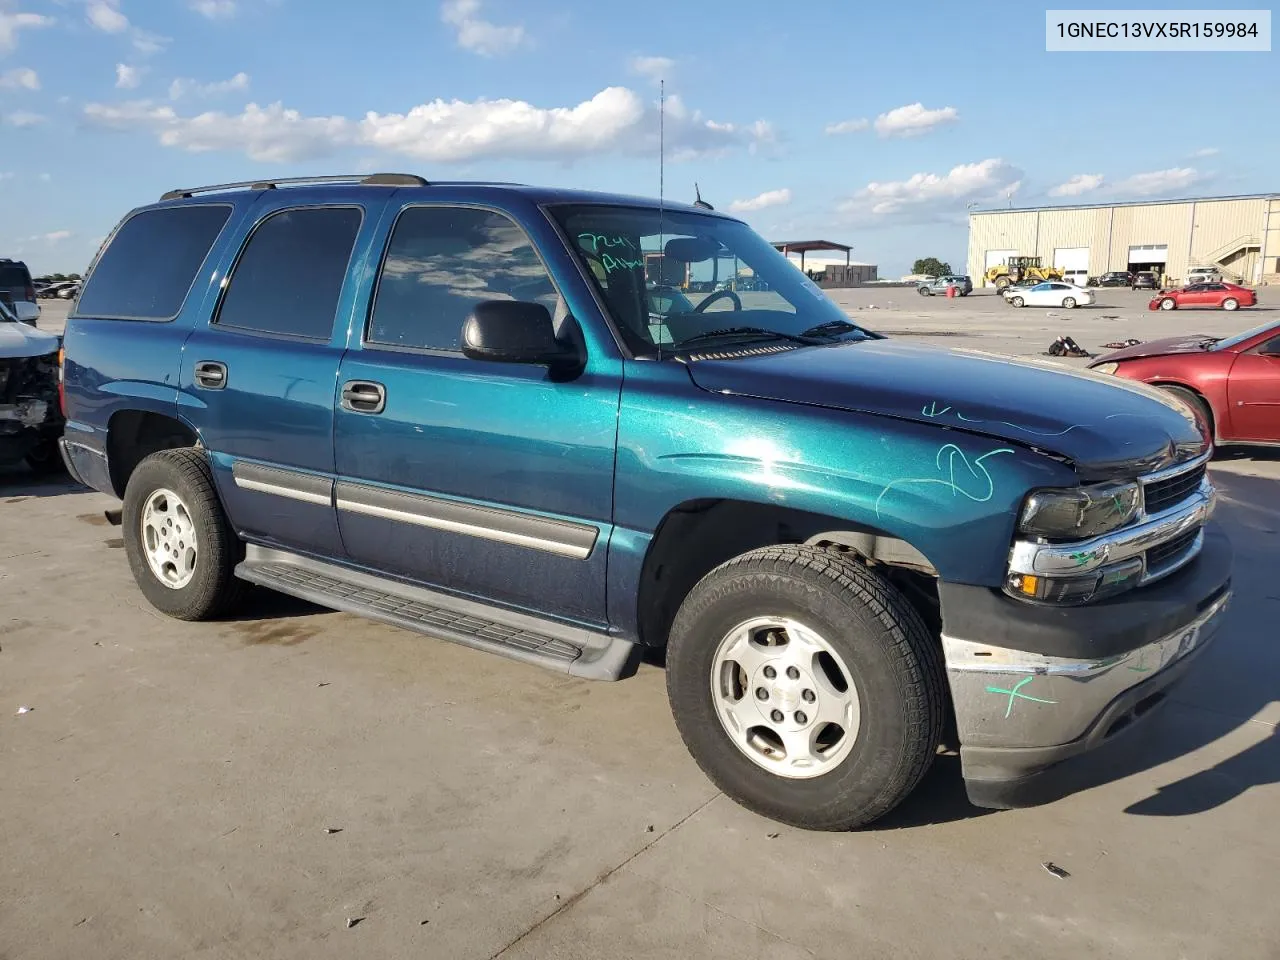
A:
[(248, 788)]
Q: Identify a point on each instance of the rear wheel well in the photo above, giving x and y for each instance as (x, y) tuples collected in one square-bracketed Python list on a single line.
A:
[(133, 435), (698, 536)]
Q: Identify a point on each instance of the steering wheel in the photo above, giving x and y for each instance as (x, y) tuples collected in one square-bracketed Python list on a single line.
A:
[(702, 307)]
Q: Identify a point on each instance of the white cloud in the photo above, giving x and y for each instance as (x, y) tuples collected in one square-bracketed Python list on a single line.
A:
[(6, 174), (45, 177), (11, 23), (1158, 181), (214, 9), (1206, 152), (616, 120), (913, 120), (653, 69), (127, 77), (106, 16), (23, 78), (22, 118), (57, 236), (181, 87), (846, 126), (933, 194), (477, 35), (1080, 183), (269, 134), (770, 198), (145, 42)]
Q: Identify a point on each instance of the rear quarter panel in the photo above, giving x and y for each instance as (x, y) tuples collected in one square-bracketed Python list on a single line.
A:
[(116, 365)]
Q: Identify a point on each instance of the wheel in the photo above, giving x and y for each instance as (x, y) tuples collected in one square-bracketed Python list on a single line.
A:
[(1000, 287), (1231, 303), (1168, 303), (1197, 405), (923, 291), (45, 459), (806, 687), (181, 548), (1017, 301), (1069, 303)]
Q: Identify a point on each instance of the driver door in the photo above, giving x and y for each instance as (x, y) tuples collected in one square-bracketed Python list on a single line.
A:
[(490, 480)]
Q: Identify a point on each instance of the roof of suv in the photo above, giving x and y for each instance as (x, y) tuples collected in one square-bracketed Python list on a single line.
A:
[(310, 187)]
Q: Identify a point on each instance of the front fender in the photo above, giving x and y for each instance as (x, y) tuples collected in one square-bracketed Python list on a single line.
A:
[(951, 494)]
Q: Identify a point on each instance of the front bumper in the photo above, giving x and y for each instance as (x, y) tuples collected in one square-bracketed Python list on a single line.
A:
[(1027, 718)]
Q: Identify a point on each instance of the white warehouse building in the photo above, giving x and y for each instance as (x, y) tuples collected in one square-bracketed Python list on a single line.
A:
[(1238, 235)]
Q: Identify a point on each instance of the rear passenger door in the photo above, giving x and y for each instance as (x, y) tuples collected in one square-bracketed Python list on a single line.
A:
[(259, 374), (488, 479)]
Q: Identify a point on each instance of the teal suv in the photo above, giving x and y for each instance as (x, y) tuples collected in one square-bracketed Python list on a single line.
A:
[(569, 428)]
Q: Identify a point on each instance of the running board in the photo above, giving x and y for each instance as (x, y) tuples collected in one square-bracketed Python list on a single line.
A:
[(519, 636)]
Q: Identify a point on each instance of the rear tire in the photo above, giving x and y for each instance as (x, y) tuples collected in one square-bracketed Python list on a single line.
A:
[(197, 582), (1168, 303), (876, 641), (1068, 303), (1231, 303), (1197, 405)]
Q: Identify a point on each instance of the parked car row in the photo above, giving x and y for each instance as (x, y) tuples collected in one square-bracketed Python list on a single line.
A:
[(61, 290)]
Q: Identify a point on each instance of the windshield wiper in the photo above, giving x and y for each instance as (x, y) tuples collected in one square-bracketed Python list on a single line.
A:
[(832, 328), (756, 332)]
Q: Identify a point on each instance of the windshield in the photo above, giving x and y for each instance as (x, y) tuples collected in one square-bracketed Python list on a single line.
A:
[(670, 277), (1240, 338)]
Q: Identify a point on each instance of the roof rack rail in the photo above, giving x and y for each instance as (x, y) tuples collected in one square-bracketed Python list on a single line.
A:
[(368, 180)]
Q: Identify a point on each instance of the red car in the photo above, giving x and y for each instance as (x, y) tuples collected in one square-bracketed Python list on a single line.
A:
[(1232, 385), (1223, 296)]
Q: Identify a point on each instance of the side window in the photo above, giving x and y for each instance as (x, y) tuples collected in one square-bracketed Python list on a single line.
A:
[(147, 270), (290, 273), (441, 262), (1272, 347)]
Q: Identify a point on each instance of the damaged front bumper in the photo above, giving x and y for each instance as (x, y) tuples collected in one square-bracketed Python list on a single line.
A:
[(29, 413), (1033, 714)]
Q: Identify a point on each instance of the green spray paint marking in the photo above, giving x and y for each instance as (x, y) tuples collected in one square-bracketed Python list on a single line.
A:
[(1083, 556), (1015, 695), (1141, 665)]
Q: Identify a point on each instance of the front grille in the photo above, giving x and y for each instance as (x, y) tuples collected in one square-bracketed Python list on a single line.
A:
[(1164, 494), (1171, 551)]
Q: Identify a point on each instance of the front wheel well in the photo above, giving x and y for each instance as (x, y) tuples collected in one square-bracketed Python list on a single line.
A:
[(134, 435), (696, 537), (1204, 401)]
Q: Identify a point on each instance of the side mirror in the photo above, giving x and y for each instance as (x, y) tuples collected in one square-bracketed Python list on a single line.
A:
[(515, 331)]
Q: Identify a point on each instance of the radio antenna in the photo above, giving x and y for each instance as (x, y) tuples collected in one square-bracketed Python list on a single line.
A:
[(662, 159)]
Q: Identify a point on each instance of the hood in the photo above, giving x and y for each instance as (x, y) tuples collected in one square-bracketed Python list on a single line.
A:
[(1187, 343), (1105, 426), (20, 340)]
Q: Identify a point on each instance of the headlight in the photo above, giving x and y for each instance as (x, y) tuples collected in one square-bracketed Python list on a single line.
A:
[(1106, 368), (1080, 513)]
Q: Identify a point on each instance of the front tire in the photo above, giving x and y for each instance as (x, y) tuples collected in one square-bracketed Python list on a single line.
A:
[(1231, 303), (1168, 303), (181, 547), (45, 460), (806, 687), (923, 292), (1017, 302)]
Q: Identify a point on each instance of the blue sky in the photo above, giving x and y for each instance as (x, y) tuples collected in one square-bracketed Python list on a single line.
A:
[(869, 124)]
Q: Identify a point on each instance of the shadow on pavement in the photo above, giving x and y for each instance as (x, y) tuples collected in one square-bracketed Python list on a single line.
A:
[(18, 481)]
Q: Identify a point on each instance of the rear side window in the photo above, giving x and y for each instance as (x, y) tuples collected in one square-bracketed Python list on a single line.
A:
[(290, 274), (440, 263), (147, 270)]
